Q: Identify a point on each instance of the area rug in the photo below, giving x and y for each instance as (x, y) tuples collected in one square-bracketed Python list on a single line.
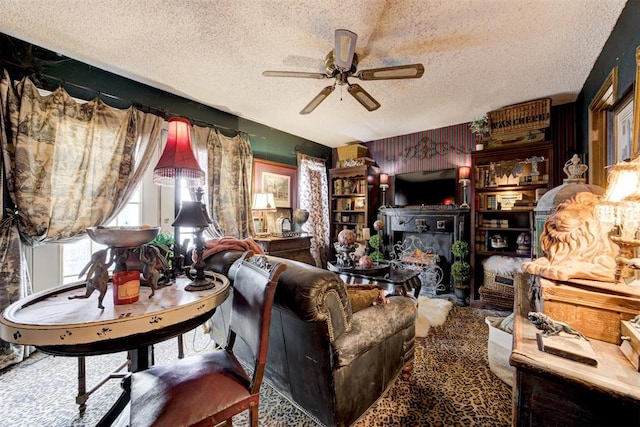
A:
[(451, 385), (431, 312)]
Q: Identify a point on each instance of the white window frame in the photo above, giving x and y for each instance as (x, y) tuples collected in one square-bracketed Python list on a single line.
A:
[(44, 263)]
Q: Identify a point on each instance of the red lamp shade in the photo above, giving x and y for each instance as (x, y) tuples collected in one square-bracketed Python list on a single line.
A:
[(464, 172), (178, 160)]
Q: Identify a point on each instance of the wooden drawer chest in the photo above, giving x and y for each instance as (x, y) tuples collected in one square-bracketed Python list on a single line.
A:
[(295, 248), (553, 391)]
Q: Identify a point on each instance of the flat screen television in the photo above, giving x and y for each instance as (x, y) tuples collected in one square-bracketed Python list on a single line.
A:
[(425, 188)]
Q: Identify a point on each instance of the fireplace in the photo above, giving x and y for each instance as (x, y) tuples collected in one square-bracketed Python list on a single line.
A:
[(437, 227)]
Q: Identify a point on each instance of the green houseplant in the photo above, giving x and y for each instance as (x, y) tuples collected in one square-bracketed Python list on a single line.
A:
[(163, 241), (480, 128), (460, 271)]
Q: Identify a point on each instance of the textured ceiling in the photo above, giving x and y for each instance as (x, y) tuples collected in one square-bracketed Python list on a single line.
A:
[(478, 55)]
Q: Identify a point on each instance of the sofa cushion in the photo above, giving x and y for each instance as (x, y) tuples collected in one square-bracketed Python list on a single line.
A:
[(362, 296), (373, 325)]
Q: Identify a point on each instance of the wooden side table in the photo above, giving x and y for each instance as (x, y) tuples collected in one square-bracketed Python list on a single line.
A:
[(553, 391), (297, 248)]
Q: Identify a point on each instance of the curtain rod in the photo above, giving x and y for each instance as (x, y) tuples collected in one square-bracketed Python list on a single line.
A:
[(145, 108), (297, 151), (165, 114)]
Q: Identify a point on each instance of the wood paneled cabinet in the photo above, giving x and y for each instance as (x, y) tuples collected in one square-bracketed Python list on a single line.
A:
[(354, 195), (297, 248), (506, 185)]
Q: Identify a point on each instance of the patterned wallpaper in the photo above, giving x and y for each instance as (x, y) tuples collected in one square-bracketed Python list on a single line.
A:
[(434, 149)]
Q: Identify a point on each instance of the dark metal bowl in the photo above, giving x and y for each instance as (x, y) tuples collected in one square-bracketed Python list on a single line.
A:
[(122, 237)]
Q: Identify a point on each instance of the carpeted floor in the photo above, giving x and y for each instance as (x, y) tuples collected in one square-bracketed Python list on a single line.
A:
[(451, 384)]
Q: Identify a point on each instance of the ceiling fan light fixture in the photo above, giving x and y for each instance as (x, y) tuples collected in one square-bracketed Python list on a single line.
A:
[(342, 63)]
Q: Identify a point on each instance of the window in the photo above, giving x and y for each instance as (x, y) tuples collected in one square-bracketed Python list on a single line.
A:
[(76, 255)]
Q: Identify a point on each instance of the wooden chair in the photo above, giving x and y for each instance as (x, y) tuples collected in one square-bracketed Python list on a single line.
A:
[(211, 388)]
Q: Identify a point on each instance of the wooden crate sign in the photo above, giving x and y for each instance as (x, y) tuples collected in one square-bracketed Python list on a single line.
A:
[(596, 314), (523, 117)]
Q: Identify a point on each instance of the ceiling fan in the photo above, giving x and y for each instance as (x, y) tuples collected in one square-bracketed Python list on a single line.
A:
[(341, 63)]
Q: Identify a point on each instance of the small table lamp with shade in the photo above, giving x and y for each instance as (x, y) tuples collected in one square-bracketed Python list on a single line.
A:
[(463, 174), (193, 214), (384, 184), (263, 203)]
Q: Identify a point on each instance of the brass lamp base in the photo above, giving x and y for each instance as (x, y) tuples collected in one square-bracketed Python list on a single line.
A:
[(200, 284), (626, 252)]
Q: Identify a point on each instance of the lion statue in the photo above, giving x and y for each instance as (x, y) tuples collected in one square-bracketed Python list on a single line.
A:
[(574, 244)]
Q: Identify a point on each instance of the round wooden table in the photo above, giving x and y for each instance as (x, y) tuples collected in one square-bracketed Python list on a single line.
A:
[(55, 324), (58, 325)]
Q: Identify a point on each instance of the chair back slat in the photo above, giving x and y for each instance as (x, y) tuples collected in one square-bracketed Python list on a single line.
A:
[(254, 288)]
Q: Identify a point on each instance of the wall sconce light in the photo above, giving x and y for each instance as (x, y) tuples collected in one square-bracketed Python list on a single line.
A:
[(263, 203), (619, 212), (463, 174), (384, 184)]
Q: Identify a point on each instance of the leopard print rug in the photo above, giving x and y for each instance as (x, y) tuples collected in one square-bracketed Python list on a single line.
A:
[(451, 385)]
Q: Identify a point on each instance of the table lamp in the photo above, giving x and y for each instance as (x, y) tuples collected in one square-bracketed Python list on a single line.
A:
[(619, 212), (193, 214), (463, 173), (384, 184), (178, 164), (262, 204)]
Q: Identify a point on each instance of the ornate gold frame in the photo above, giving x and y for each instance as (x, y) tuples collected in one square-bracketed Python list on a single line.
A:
[(636, 107), (597, 131)]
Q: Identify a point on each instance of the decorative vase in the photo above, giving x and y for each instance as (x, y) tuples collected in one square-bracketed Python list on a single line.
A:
[(462, 296)]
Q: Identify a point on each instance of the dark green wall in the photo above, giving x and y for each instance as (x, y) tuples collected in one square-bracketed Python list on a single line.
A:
[(22, 58), (619, 50)]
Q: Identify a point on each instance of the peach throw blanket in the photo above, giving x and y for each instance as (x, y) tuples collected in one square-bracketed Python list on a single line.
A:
[(221, 244)]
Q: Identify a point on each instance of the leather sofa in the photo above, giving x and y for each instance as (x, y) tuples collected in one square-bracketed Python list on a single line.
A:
[(333, 363)]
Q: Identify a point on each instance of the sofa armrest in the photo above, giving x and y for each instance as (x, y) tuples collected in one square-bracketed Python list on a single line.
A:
[(314, 295), (374, 325)]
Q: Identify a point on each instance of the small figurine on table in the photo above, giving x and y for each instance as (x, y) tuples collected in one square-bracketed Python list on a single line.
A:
[(548, 326), (151, 257), (97, 271)]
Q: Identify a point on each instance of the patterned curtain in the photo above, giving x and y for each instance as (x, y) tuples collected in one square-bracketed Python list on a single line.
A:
[(68, 166), (229, 163), (313, 196)]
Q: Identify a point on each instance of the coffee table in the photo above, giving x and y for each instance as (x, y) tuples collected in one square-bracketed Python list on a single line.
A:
[(395, 282)]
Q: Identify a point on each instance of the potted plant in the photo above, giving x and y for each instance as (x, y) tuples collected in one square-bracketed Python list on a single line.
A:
[(480, 128), (460, 271)]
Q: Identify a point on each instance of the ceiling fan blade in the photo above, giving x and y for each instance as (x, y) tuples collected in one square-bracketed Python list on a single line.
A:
[(363, 97), (344, 48), (413, 71), (317, 100), (299, 74)]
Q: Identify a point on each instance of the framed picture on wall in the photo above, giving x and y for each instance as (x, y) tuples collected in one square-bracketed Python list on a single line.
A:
[(278, 179), (623, 129)]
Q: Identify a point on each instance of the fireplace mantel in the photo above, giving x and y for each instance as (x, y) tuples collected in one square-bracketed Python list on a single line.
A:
[(436, 226)]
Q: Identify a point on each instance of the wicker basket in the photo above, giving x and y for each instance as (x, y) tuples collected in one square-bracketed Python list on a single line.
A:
[(504, 283), (353, 151), (522, 117), (495, 298)]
